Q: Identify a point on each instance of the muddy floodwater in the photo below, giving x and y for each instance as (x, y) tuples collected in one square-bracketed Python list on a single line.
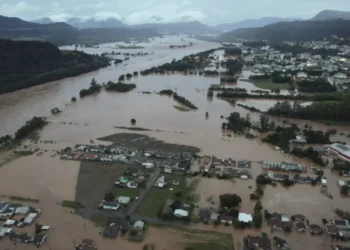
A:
[(51, 180)]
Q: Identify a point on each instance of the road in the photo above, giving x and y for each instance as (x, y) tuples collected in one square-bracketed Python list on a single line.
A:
[(134, 206)]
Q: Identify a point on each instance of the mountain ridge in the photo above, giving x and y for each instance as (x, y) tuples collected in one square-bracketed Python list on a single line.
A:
[(331, 14)]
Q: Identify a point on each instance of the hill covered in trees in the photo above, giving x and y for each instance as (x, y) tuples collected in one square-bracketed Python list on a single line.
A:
[(62, 33), (27, 63), (292, 31)]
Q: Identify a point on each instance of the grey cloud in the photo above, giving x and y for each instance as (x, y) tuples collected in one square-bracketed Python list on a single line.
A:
[(143, 11)]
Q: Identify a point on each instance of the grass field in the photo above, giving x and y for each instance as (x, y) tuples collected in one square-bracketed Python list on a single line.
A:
[(181, 108), (131, 47), (99, 220), (268, 84), (130, 192), (156, 197), (215, 86)]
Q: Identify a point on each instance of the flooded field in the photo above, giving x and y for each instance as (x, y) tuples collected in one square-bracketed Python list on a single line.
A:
[(52, 180)]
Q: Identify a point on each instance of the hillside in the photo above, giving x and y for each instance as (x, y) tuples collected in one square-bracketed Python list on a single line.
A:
[(94, 23), (292, 31), (253, 23), (331, 14), (27, 63), (191, 28)]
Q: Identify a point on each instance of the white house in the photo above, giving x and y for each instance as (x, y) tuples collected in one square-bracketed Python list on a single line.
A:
[(180, 213), (109, 205), (139, 225), (123, 199), (301, 75), (246, 218)]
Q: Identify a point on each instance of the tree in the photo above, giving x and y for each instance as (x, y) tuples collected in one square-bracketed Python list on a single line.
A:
[(258, 207), (135, 73), (230, 200), (128, 75), (93, 82), (233, 212), (38, 228), (124, 230), (109, 196), (176, 205), (257, 219), (223, 125), (264, 122), (133, 232), (133, 121), (210, 93), (254, 196), (74, 99), (344, 190), (121, 78)]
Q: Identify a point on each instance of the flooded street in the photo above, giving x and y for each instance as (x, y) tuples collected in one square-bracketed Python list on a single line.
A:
[(52, 180)]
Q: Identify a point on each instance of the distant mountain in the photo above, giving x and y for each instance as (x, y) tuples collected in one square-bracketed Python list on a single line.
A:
[(331, 14), (191, 28), (253, 23), (94, 23), (63, 33), (44, 20), (292, 31)]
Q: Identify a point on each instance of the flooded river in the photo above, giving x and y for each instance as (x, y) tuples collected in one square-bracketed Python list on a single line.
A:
[(52, 180)]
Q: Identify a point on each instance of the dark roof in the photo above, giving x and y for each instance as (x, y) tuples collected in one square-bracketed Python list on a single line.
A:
[(23, 237), (113, 226), (275, 215), (264, 243), (276, 222), (226, 218), (342, 248), (340, 222), (299, 217), (88, 242), (39, 239), (300, 225), (204, 213), (3, 205), (331, 229), (314, 227)]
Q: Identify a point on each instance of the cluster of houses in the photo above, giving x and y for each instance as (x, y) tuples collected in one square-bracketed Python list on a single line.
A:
[(338, 229), (266, 59), (206, 215), (283, 166), (19, 216), (147, 158), (116, 225), (296, 178), (180, 211)]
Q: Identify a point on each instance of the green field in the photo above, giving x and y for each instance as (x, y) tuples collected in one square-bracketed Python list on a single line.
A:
[(268, 84), (130, 192), (99, 220), (156, 197), (216, 86), (181, 108)]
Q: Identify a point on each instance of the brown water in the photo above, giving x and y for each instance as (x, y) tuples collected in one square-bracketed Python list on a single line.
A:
[(52, 180)]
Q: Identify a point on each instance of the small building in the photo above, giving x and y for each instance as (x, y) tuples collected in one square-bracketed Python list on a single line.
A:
[(124, 199), (88, 243), (22, 210), (341, 224), (139, 225), (109, 205), (298, 217), (204, 214), (338, 247), (214, 217), (300, 226), (331, 229), (226, 219), (246, 218), (3, 206), (315, 229), (276, 224), (257, 242), (113, 226), (39, 239), (180, 213), (344, 235), (30, 218)]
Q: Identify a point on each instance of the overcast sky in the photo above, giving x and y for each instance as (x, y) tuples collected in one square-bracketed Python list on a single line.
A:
[(143, 11)]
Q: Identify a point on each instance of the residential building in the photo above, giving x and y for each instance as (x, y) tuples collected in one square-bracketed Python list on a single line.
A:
[(39, 239), (109, 205), (342, 151), (180, 213), (331, 229), (300, 226), (341, 224), (214, 217), (226, 219), (113, 226), (204, 214), (139, 225), (124, 200), (256, 242), (298, 217), (246, 218), (315, 229)]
